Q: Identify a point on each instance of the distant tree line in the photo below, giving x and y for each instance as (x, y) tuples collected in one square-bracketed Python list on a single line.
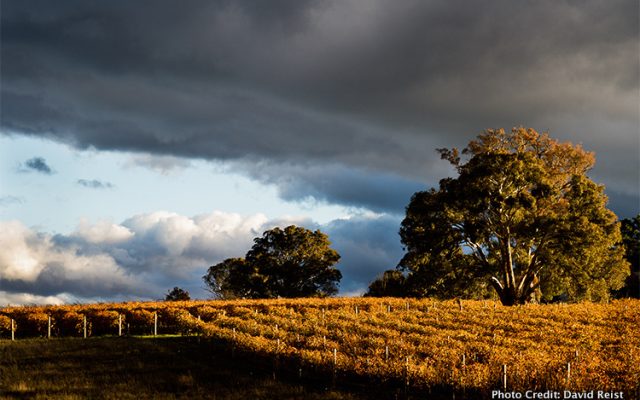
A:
[(177, 294)]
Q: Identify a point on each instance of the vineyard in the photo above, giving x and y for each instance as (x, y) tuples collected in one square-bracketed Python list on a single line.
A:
[(468, 346)]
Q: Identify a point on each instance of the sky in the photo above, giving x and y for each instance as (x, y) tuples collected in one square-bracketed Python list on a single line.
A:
[(141, 141)]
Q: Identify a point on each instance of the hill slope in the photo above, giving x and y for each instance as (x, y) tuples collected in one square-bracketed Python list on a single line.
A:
[(418, 344)]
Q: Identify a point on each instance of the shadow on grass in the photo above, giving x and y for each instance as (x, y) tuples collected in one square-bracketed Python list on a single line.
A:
[(170, 368)]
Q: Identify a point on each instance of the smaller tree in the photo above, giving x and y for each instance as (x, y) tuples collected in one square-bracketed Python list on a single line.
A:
[(290, 262), (233, 278), (177, 294)]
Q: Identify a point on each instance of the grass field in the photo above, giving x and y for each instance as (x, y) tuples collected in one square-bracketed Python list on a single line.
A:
[(145, 368), (391, 346)]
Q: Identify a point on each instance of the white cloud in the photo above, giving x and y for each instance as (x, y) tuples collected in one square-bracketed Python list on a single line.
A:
[(102, 232), (141, 257), (9, 299), (147, 254), (171, 231), (48, 265), (20, 251)]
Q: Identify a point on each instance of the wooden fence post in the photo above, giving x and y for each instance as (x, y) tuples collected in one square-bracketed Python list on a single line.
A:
[(119, 324), (568, 372), (49, 327), (13, 329), (155, 323), (335, 367), (504, 377), (386, 353), (406, 371), (84, 326)]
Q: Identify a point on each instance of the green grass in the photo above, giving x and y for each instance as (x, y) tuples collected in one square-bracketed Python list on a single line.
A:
[(143, 368)]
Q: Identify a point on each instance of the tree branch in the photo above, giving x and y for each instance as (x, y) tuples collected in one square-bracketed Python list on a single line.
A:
[(510, 280), (528, 276), (478, 252), (495, 282)]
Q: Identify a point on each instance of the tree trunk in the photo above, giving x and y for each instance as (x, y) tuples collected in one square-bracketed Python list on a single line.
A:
[(509, 294)]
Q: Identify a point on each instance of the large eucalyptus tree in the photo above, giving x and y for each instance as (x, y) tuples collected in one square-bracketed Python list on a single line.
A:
[(521, 216)]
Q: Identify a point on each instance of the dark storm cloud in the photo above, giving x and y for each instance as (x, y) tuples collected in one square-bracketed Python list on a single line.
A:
[(365, 85), (381, 192), (624, 205), (54, 280), (368, 247), (36, 164), (94, 184)]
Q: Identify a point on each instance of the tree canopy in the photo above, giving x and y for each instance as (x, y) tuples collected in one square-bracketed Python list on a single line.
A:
[(390, 284), (521, 217), (630, 229), (289, 262), (177, 294)]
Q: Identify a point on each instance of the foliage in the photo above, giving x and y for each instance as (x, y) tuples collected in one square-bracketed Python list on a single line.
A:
[(102, 321), (234, 278), (176, 319), (427, 343), (5, 324), (630, 229), (390, 284), (177, 294), (521, 216), (139, 320), (290, 262), (68, 323), (30, 321)]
